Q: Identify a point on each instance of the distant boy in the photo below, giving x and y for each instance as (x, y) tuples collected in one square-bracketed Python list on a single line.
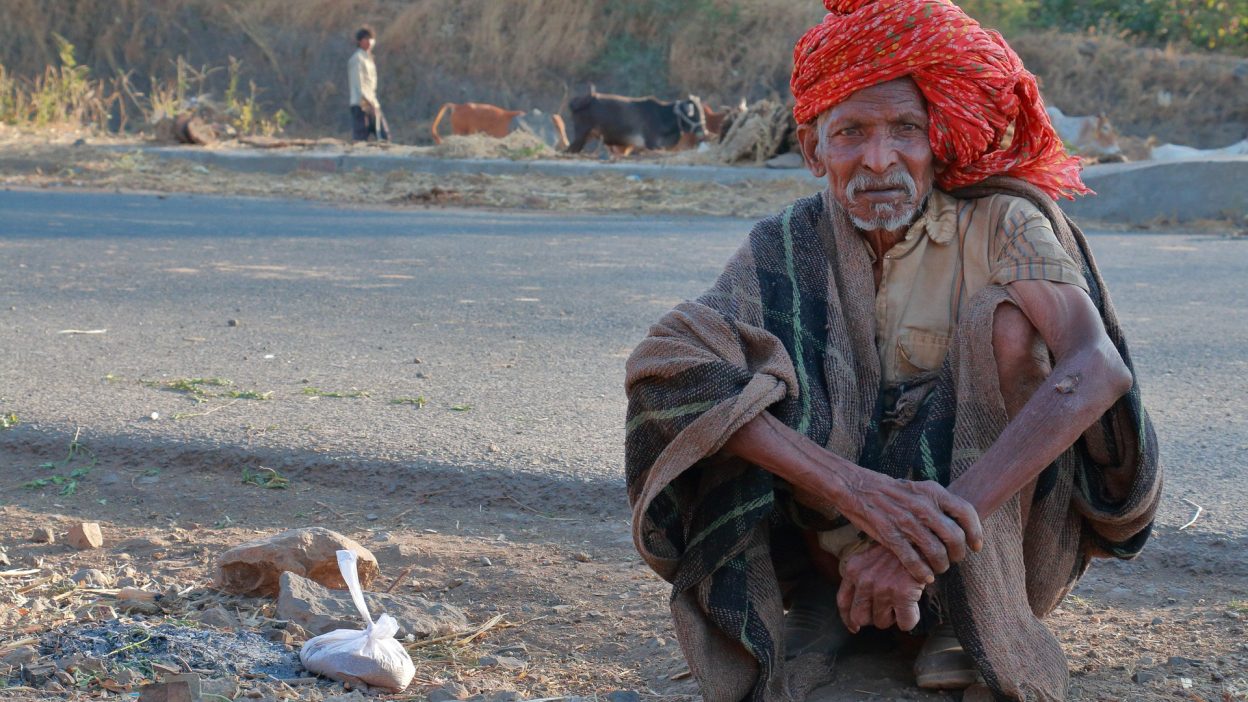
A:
[(366, 117)]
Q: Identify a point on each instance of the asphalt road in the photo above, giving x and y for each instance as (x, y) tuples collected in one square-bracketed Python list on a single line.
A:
[(521, 323)]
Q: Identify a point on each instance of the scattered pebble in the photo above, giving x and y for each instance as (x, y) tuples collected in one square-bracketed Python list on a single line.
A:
[(1144, 677), (231, 323), (43, 535)]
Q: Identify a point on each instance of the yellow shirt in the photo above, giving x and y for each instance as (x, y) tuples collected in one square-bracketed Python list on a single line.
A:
[(955, 249)]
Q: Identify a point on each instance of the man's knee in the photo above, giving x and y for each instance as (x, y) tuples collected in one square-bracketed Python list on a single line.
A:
[(1022, 358)]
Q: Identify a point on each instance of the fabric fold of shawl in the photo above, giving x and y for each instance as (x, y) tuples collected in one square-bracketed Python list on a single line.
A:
[(789, 328)]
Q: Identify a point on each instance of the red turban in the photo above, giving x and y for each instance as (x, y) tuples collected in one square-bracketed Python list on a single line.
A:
[(975, 87)]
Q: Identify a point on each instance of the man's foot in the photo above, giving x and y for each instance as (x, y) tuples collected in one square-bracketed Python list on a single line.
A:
[(813, 624), (942, 664)]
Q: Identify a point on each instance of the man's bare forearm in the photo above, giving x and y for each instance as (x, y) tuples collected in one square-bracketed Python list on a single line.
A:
[(924, 525), (818, 476), (1078, 391)]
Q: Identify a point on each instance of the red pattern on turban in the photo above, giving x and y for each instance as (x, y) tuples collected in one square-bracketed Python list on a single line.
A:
[(975, 87)]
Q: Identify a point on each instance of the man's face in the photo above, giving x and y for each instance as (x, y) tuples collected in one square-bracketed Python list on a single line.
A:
[(367, 43), (874, 149)]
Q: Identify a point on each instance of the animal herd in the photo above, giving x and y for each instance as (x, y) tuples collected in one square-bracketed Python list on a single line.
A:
[(620, 124), (623, 124)]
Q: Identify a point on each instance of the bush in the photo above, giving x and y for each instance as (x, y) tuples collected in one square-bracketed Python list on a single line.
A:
[(1209, 24)]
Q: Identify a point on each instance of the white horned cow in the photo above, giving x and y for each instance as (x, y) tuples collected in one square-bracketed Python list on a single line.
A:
[(1091, 136)]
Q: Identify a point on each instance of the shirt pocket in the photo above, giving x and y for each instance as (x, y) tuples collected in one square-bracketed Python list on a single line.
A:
[(920, 351)]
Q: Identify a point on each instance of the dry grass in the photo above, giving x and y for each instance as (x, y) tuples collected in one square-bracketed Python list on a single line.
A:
[(539, 52), (1194, 99)]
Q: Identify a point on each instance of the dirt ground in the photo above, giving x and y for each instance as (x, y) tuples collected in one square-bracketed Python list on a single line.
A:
[(577, 606), (51, 159)]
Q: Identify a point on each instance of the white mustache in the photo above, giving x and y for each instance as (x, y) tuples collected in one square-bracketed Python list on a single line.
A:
[(896, 179)]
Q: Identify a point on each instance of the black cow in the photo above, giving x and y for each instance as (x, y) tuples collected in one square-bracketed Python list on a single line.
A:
[(630, 122)]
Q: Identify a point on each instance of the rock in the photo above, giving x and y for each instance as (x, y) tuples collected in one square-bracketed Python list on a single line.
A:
[(85, 536), (279, 636), (231, 322), (219, 687), (1144, 677), (43, 535), (624, 696), (23, 655), (36, 674), (132, 599), (254, 568), (504, 662), (1157, 621), (178, 691), (190, 679), (220, 618), (319, 610), (448, 692), (91, 577), (96, 612), (1181, 662), (4, 559), (504, 696), (141, 545), (80, 662)]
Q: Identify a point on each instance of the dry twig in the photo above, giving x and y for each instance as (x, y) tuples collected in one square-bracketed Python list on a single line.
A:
[(455, 637)]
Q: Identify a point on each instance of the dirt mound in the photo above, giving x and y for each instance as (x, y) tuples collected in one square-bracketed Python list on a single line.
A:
[(517, 145)]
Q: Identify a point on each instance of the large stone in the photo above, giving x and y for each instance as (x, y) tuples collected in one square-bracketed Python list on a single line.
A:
[(320, 610), (91, 577), (85, 536), (253, 569)]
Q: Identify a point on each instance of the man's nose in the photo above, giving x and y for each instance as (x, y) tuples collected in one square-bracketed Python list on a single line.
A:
[(880, 154)]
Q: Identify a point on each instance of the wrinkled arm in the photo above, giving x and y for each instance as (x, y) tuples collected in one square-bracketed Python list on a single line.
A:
[(1087, 379), (920, 522)]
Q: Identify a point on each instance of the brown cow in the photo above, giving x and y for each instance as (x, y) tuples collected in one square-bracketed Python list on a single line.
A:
[(481, 118), (475, 118)]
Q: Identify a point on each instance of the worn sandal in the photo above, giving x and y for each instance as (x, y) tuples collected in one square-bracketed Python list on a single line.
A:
[(813, 623), (942, 664)]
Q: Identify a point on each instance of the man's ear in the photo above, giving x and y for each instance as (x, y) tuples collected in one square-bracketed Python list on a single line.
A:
[(808, 140)]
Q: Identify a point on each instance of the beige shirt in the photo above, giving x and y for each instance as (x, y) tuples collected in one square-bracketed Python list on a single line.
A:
[(955, 249), (362, 76)]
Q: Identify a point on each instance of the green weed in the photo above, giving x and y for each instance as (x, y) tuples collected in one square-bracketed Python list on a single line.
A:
[(317, 392), (194, 388), (67, 482), (266, 478), (8, 421), (461, 408), (417, 401)]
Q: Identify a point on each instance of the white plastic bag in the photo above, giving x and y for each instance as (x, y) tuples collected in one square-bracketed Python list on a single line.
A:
[(371, 656)]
